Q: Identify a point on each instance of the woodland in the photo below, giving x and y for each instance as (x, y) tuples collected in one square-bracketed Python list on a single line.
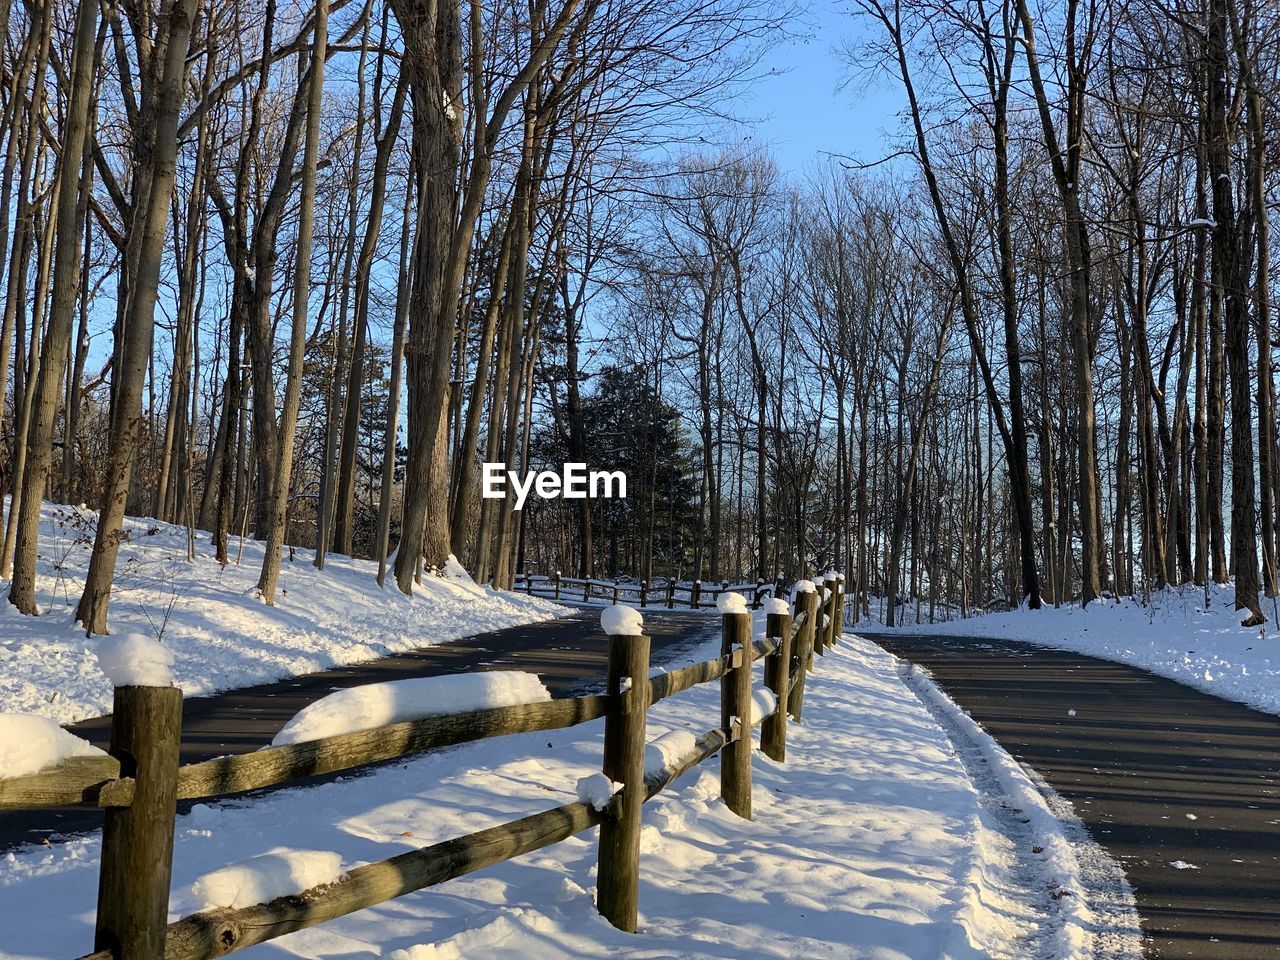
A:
[(293, 271)]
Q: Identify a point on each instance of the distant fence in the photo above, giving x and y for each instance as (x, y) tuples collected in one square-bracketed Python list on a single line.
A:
[(669, 593), (140, 783)]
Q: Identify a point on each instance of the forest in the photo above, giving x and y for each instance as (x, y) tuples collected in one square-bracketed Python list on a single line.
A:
[(294, 271)]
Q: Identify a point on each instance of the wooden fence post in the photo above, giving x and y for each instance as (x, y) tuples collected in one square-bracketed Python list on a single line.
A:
[(557, 584), (137, 840), (832, 630), (644, 593), (735, 701), (819, 627), (777, 677), (839, 616), (618, 874), (695, 595), (808, 602)]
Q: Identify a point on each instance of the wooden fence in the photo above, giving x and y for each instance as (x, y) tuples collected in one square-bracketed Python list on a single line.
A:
[(139, 785), (669, 593)]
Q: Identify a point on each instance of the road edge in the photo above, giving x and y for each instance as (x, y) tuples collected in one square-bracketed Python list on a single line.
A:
[(1101, 921)]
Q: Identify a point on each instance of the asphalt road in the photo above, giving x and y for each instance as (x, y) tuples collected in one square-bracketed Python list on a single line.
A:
[(1179, 786), (568, 654)]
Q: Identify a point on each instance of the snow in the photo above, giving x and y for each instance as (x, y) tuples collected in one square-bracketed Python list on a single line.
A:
[(263, 878), (209, 616), (620, 620), (29, 744), (802, 586), (1059, 865), (1177, 636), (776, 605), (763, 703), (597, 790), (665, 751), (379, 704), (732, 603), (135, 660), (871, 841)]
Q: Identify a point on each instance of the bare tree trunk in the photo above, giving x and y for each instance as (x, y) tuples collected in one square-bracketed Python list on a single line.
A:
[(160, 172), (393, 398), (278, 495)]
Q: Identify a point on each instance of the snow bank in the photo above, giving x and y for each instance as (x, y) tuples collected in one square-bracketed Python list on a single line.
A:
[(1076, 931), (597, 790), (261, 879), (503, 938), (620, 620), (732, 603), (222, 636), (135, 660), (378, 704), (776, 605), (30, 744)]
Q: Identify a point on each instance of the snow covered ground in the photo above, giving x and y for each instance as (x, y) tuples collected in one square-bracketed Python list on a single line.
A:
[(221, 635), (886, 835), (1177, 636)]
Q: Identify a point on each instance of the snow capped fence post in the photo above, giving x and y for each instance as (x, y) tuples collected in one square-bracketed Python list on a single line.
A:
[(777, 677), (137, 840), (644, 593), (627, 682), (695, 595), (830, 629), (557, 584), (735, 704), (839, 604), (819, 644), (671, 594), (807, 600)]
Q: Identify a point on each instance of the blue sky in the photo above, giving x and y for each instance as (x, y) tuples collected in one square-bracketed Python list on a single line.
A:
[(805, 109)]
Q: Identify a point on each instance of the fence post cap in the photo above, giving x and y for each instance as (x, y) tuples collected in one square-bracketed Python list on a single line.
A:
[(620, 620)]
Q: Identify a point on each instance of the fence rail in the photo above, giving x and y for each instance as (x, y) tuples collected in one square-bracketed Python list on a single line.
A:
[(672, 594), (141, 782)]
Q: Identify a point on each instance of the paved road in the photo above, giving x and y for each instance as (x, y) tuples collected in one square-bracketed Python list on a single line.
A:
[(568, 654), (1160, 774)]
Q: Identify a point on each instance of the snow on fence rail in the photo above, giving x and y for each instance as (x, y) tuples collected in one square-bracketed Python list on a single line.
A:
[(672, 594), (139, 792)]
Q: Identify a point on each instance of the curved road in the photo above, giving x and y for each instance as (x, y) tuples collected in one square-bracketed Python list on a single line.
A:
[(569, 655), (1181, 787)]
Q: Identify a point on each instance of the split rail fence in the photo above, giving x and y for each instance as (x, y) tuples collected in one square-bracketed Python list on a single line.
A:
[(672, 594), (139, 783)]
